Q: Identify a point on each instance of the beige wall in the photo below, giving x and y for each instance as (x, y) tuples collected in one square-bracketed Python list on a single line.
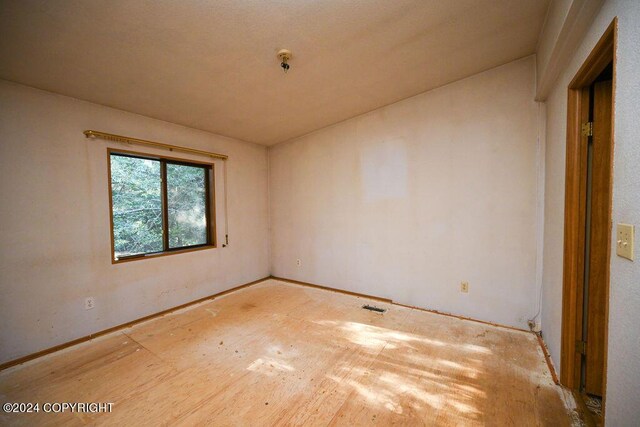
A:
[(409, 200), (54, 223), (623, 372)]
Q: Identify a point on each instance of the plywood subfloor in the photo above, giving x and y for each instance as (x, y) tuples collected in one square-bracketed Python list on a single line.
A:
[(277, 353)]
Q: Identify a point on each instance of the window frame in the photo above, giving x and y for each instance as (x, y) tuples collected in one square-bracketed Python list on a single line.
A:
[(210, 204)]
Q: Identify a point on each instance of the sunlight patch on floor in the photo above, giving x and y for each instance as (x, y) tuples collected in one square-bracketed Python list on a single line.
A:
[(377, 397), (269, 366), (371, 336)]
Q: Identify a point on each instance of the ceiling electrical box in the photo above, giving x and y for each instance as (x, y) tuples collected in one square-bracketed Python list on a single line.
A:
[(624, 240)]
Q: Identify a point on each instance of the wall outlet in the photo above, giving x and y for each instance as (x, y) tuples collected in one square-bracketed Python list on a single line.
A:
[(298, 262), (535, 326), (464, 287), (89, 303)]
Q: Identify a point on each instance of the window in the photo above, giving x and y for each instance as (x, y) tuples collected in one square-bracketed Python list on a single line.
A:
[(158, 205)]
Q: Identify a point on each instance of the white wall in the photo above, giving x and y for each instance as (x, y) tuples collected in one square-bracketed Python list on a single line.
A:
[(623, 372), (54, 223), (408, 200)]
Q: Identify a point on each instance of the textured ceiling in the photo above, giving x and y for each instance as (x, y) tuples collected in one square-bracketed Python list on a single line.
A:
[(212, 64)]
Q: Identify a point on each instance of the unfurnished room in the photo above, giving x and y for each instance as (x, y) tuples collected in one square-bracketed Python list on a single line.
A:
[(319, 212)]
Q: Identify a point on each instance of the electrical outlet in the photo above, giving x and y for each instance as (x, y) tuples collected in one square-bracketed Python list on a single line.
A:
[(89, 303), (464, 287), (298, 262), (534, 326), (531, 324)]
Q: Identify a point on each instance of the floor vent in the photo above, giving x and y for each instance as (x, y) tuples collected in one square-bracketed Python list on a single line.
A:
[(372, 308)]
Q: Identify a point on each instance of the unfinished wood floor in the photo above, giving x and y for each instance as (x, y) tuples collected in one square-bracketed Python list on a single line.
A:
[(277, 353)]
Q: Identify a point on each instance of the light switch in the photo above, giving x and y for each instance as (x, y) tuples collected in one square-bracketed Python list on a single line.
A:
[(624, 241)]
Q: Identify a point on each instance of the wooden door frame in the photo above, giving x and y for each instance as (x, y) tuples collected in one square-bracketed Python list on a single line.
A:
[(575, 206)]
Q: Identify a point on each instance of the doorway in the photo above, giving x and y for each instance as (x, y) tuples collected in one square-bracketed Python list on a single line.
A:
[(587, 234)]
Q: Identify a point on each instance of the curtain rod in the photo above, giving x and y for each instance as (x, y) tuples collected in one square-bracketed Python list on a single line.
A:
[(128, 140)]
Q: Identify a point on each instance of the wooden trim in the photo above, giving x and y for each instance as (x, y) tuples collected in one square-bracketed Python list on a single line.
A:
[(389, 301), (547, 358), (162, 254), (113, 243), (89, 337), (613, 146), (214, 209), (602, 54), (211, 201), (153, 156)]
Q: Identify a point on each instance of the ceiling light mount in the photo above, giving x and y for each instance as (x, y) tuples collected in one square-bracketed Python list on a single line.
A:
[(284, 55)]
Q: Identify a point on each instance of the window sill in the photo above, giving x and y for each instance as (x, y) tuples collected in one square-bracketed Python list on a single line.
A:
[(161, 254)]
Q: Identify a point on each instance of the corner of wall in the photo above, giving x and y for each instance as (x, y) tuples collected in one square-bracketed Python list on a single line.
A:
[(269, 228), (540, 206)]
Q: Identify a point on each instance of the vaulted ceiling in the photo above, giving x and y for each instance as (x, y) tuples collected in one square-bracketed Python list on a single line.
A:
[(212, 64)]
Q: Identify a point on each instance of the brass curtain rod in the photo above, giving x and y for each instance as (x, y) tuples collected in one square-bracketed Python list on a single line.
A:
[(128, 140)]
